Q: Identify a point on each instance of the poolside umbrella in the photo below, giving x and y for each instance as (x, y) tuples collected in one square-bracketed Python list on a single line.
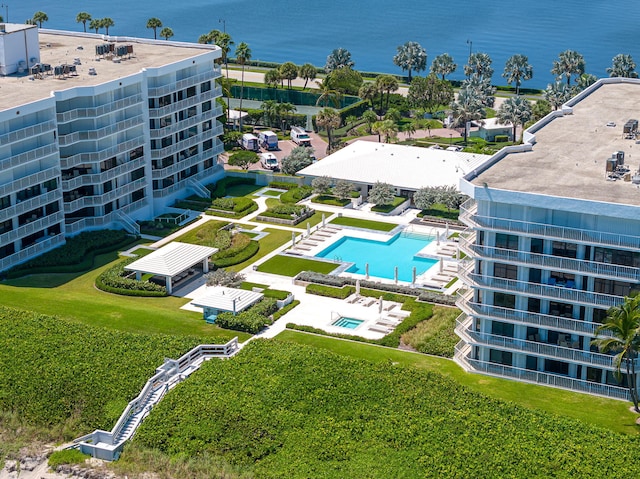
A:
[(357, 287), (293, 239), (366, 270), (441, 263), (323, 219), (380, 305), (308, 229), (413, 275), (395, 274)]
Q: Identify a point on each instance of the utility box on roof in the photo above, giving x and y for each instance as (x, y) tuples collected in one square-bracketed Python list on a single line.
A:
[(19, 48)]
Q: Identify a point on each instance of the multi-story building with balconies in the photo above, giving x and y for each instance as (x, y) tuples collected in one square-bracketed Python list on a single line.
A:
[(553, 241), (98, 132)]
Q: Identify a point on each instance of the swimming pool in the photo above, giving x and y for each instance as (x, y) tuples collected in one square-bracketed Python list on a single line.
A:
[(382, 256), (349, 323)]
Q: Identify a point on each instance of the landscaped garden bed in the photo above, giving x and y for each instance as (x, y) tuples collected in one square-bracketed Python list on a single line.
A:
[(119, 281), (397, 201), (232, 207), (287, 214), (362, 223), (291, 266)]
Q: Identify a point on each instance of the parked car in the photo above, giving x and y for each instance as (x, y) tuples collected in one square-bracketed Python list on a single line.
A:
[(300, 136), (269, 161)]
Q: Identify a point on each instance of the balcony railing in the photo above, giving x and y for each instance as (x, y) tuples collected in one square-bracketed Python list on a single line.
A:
[(545, 321), (99, 178), (469, 216), (31, 251), (463, 329), (36, 154), (186, 83), (462, 357), (580, 297), (100, 110), (100, 200), (93, 135), (30, 180), (556, 263), (186, 103), (27, 132), (93, 157), (31, 228)]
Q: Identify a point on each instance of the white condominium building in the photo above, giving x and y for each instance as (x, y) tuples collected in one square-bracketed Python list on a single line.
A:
[(553, 242), (97, 132)]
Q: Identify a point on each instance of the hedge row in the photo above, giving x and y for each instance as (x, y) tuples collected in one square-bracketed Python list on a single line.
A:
[(278, 314), (219, 189), (237, 258), (251, 320), (229, 214), (330, 291), (294, 195), (423, 295), (76, 255), (283, 185), (112, 280)]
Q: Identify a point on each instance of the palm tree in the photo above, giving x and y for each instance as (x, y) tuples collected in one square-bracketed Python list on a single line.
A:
[(557, 94), (622, 323), (154, 23), (270, 108), (224, 41), (479, 64), (40, 17), (107, 22), (515, 110), (585, 80), (386, 83), (516, 69), (410, 129), (368, 92), (95, 24), (568, 63), (411, 57), (370, 118), (443, 65), (243, 55), (328, 94), (338, 58), (166, 33), (329, 119), (622, 66), (308, 72), (289, 72), (284, 109), (466, 108), (481, 88), (83, 17), (272, 78)]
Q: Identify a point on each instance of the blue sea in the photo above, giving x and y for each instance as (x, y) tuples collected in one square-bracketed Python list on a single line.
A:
[(307, 31)]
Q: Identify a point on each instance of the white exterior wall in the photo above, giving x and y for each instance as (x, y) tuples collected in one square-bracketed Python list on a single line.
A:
[(18, 43)]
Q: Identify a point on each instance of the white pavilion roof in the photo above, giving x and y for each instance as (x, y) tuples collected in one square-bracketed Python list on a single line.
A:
[(408, 167), (172, 259), (222, 298)]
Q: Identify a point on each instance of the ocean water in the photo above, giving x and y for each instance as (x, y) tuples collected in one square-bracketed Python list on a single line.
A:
[(298, 31)]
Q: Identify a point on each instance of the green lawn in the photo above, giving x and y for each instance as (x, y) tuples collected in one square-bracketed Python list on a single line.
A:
[(273, 240), (397, 201), (314, 220), (203, 234), (142, 251), (607, 413), (359, 223), (75, 297), (289, 266), (242, 190)]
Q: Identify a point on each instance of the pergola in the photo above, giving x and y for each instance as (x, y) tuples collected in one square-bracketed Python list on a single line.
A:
[(220, 299), (173, 262)]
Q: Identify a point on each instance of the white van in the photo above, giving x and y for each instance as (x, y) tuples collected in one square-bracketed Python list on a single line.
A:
[(268, 140), (300, 136), (249, 142), (269, 161)]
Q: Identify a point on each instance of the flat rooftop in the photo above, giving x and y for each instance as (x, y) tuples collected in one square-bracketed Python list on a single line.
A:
[(58, 49), (570, 152)]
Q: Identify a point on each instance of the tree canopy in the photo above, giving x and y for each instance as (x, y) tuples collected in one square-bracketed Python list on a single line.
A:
[(288, 71), (382, 194), (622, 66), (443, 65), (517, 69), (411, 57), (338, 58), (515, 110), (154, 23), (299, 158), (569, 63), (479, 64), (83, 17), (243, 159), (429, 93)]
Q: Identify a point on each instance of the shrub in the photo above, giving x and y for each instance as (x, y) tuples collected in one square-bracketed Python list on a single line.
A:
[(278, 314), (265, 307), (397, 201), (246, 321), (219, 189), (222, 277), (294, 195), (330, 200), (112, 280), (242, 203), (501, 138), (330, 291), (283, 185), (276, 293), (223, 204), (66, 456), (237, 258)]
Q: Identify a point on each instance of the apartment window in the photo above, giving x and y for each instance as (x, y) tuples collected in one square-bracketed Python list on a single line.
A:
[(191, 91), (535, 275), (625, 258), (504, 300), (166, 121), (508, 271), (5, 202), (208, 163), (29, 192), (137, 174), (50, 185), (6, 226), (7, 250), (537, 245), (164, 101), (107, 186), (166, 141), (206, 106), (207, 125), (556, 367), (532, 363), (609, 286), (506, 241), (52, 208), (502, 329), (207, 145), (533, 305), (136, 153), (566, 250), (206, 86), (613, 380), (561, 309), (192, 111), (594, 375), (137, 195), (599, 315), (500, 357)]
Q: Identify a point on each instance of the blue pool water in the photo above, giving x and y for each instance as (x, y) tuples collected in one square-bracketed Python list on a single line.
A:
[(349, 323), (382, 256)]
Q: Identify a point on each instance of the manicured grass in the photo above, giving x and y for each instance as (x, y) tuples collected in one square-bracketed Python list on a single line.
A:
[(607, 413), (273, 193), (75, 297), (273, 240), (142, 251), (330, 200), (242, 190), (397, 201), (440, 211), (203, 235), (359, 223), (313, 220), (288, 266)]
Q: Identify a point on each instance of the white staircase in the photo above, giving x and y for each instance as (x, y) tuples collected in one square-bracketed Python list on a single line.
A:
[(107, 445), (199, 188), (129, 224)]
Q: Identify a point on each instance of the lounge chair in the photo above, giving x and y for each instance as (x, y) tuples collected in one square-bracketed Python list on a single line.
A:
[(380, 329)]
